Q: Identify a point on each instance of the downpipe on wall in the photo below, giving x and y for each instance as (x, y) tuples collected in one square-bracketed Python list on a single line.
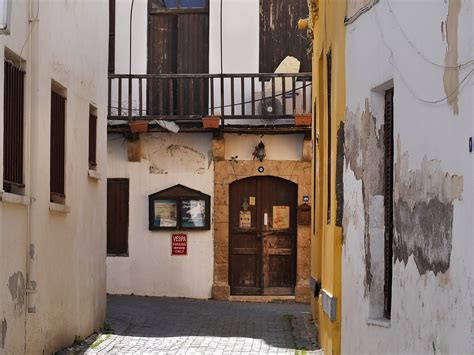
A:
[(31, 289)]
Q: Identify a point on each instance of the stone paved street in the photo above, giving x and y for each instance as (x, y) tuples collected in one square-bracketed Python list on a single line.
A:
[(182, 326)]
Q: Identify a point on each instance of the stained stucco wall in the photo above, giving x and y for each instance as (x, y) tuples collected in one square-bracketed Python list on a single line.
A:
[(60, 255), (167, 159), (392, 44)]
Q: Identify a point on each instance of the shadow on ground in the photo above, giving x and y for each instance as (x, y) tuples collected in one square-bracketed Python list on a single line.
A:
[(178, 325)]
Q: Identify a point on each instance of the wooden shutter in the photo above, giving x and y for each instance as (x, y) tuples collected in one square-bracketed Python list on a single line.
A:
[(329, 136), (117, 216), (13, 126), (111, 36), (92, 140), (162, 59), (388, 201), (57, 146), (279, 35), (193, 58)]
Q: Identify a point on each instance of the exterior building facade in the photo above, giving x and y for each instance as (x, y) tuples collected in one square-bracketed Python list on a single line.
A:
[(400, 160), (52, 153), (194, 61), (327, 23)]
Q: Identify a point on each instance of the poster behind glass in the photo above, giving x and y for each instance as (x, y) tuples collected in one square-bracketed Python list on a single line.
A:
[(193, 213), (166, 213)]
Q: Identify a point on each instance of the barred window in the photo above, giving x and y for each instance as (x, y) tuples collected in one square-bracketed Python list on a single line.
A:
[(13, 111)]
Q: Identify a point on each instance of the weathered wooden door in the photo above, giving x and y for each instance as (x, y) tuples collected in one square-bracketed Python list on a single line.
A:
[(178, 43), (262, 236)]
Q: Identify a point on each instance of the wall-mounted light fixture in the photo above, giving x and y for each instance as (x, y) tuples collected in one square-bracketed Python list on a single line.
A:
[(259, 151)]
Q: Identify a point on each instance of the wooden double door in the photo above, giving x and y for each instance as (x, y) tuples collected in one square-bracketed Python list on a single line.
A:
[(262, 236)]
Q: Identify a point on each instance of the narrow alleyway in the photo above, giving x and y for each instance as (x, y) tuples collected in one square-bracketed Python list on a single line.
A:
[(172, 325)]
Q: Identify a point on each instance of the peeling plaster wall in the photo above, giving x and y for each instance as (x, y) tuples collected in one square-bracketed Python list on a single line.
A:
[(433, 177), (167, 159)]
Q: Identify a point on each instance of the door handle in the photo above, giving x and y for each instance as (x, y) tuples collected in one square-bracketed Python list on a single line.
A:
[(259, 236)]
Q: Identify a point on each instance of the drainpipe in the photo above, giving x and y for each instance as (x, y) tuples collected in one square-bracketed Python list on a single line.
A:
[(31, 290)]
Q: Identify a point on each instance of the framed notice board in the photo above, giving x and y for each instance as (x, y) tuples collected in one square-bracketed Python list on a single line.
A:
[(179, 208)]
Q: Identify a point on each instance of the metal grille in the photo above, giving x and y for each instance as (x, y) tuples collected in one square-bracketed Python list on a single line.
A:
[(92, 140), (58, 125), (13, 126), (117, 216), (388, 202)]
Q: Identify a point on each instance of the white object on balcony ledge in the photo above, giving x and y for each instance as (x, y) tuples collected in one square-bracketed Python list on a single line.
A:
[(168, 125)]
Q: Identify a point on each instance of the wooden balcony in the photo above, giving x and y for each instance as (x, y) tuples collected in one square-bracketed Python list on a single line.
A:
[(244, 102)]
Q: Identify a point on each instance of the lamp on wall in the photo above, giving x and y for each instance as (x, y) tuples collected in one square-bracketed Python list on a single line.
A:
[(259, 151)]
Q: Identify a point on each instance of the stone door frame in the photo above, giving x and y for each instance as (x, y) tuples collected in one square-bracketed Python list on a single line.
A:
[(228, 171)]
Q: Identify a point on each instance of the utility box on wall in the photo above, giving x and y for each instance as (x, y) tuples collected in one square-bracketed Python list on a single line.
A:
[(304, 214)]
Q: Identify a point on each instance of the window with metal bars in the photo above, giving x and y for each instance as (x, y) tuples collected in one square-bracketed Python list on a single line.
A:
[(13, 111), (92, 139), (388, 201), (117, 216), (329, 135), (57, 147)]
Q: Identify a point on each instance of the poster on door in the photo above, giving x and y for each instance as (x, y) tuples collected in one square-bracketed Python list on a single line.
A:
[(281, 217), (245, 219)]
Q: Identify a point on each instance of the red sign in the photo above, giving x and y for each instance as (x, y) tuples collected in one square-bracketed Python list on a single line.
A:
[(179, 244)]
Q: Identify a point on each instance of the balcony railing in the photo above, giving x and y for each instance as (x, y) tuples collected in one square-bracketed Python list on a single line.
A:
[(239, 99)]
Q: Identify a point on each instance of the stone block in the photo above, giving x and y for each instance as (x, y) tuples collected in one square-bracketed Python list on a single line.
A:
[(221, 194), (302, 294), (134, 150), (221, 213), (221, 273), (220, 292), (307, 150), (218, 149)]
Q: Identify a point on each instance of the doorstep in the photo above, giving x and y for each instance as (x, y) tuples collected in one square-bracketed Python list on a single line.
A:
[(263, 299)]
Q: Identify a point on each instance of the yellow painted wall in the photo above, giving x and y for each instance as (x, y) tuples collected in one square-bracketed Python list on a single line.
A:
[(329, 34)]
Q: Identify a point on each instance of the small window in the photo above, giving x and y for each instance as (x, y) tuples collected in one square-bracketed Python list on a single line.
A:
[(92, 138), (388, 201), (13, 111), (179, 208), (117, 216), (57, 145)]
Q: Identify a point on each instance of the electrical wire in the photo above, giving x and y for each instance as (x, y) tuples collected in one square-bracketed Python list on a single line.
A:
[(394, 65), (34, 20), (130, 43), (469, 62)]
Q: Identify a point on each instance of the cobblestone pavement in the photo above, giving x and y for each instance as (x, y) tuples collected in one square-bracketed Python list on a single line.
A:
[(143, 325)]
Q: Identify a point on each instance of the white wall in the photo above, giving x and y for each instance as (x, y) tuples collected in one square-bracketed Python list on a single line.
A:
[(167, 159), (431, 313), (66, 260)]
